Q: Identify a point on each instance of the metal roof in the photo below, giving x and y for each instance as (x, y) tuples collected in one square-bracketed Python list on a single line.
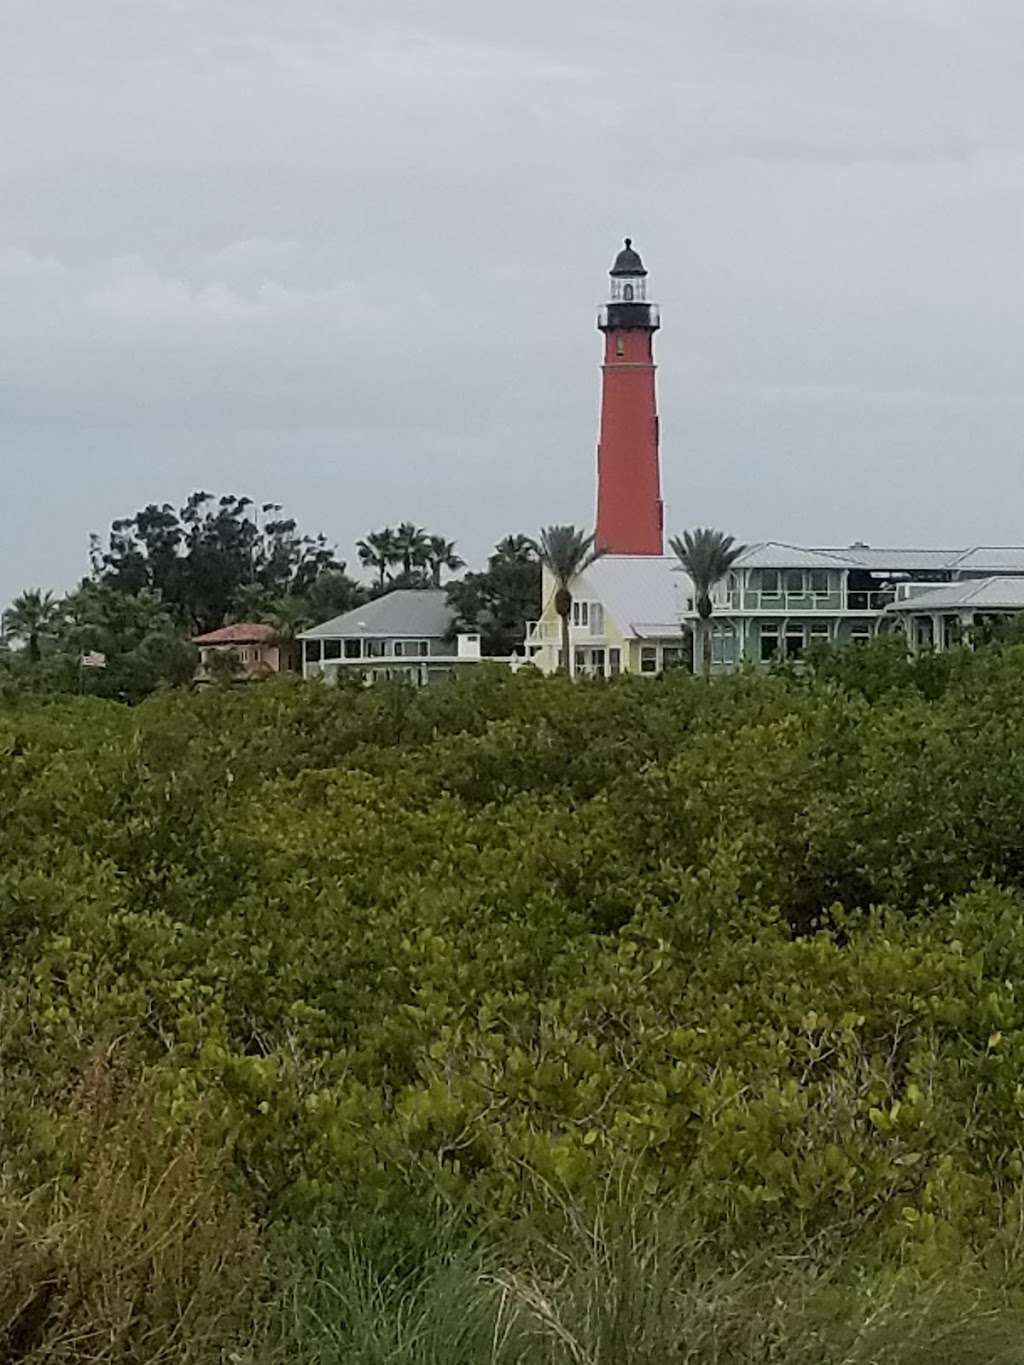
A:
[(887, 560), (406, 613), (773, 554), (992, 559), (974, 594), (637, 590)]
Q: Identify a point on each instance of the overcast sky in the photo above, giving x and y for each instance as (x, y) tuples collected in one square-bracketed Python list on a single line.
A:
[(347, 257)]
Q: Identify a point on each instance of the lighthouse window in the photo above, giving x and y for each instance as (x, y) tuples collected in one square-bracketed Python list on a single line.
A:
[(620, 346), (627, 293)]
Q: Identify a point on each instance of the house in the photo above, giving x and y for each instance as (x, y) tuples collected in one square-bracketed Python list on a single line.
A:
[(255, 646), (940, 617), (629, 615), (407, 634), (636, 613)]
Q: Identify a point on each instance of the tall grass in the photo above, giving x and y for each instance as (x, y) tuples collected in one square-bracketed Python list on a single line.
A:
[(625, 1287), (139, 1258), (136, 1258)]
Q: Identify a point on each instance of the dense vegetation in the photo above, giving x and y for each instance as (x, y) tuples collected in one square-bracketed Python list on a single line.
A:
[(518, 1021)]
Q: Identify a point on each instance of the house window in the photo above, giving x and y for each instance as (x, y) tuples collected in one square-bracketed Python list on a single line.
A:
[(819, 582), (373, 649), (412, 649), (332, 649), (614, 663), (596, 618), (648, 659), (353, 649), (821, 633), (795, 641), (312, 651), (770, 585), (597, 662), (769, 643), (795, 582), (581, 613), (672, 656), (581, 661), (723, 645), (860, 632)]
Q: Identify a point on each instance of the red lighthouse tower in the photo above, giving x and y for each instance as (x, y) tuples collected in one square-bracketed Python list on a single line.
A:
[(629, 508)]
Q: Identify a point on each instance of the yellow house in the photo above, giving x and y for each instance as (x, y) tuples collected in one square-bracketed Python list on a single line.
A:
[(629, 615)]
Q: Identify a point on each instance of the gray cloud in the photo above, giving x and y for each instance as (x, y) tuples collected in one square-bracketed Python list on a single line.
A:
[(347, 257)]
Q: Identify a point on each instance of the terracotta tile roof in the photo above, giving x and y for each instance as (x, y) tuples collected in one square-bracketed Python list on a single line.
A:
[(244, 633)]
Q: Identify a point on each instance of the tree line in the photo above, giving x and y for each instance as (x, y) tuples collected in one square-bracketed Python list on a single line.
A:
[(165, 574)]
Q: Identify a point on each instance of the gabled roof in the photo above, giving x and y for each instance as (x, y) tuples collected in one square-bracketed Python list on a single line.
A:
[(973, 594), (637, 590), (773, 554), (900, 561), (992, 559), (405, 614), (243, 633)]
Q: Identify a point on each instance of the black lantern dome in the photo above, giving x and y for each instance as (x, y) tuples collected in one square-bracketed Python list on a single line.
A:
[(628, 261)]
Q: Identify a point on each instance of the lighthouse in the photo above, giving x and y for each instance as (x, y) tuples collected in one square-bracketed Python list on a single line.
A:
[(630, 517)]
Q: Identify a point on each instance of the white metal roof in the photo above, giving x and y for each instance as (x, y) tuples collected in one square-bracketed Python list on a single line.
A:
[(973, 594), (637, 589)]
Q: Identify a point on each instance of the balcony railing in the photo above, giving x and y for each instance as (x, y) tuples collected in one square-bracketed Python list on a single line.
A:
[(869, 601), (782, 602)]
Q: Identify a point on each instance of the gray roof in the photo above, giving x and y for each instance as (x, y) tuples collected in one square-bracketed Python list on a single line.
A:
[(772, 554), (992, 559), (405, 614), (888, 560), (973, 594)]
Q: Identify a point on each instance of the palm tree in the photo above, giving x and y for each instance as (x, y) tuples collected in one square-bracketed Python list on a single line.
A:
[(565, 552), (515, 550), (441, 555), (288, 616), (32, 617), (379, 551), (412, 547), (707, 556)]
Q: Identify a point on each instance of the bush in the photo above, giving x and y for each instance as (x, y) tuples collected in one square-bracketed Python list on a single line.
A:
[(379, 958)]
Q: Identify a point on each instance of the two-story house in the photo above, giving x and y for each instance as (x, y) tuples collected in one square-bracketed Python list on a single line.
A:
[(404, 634), (636, 613)]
